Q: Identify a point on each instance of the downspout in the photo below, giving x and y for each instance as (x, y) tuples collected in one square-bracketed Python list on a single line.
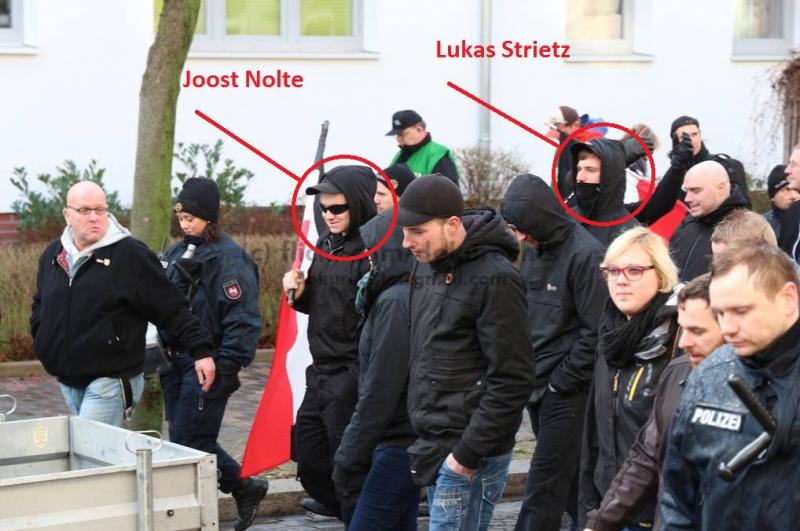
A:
[(484, 116)]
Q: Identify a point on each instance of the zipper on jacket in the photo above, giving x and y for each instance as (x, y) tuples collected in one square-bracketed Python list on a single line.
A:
[(636, 379), (616, 392)]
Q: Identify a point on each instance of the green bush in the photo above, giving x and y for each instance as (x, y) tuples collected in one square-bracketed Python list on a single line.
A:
[(231, 181)]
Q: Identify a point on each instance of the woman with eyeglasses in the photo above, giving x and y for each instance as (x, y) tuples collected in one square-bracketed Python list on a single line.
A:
[(637, 339)]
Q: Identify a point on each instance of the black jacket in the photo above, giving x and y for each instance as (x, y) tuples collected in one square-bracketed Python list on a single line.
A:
[(774, 217), (380, 419), (330, 289), (619, 403), (712, 425), (565, 292), (690, 245), (472, 368), (610, 205), (96, 327), (225, 297)]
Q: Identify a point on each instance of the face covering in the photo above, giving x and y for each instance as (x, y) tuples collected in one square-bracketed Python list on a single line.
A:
[(587, 195), (361, 295)]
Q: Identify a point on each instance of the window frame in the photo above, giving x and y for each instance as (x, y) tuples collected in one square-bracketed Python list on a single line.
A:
[(13, 36), (215, 40), (744, 48), (607, 47)]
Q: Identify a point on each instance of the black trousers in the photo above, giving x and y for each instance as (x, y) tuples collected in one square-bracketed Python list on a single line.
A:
[(552, 485), (324, 414)]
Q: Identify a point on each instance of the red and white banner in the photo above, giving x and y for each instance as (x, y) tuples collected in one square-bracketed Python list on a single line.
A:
[(269, 442)]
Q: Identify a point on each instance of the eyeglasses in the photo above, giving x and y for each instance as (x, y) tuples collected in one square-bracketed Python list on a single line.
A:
[(84, 211), (334, 209), (631, 273)]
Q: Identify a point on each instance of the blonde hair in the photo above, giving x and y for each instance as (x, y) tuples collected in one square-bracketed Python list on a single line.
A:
[(652, 244), (643, 131), (744, 225)]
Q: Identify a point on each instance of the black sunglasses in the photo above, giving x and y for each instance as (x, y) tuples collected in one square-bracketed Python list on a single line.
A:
[(334, 209)]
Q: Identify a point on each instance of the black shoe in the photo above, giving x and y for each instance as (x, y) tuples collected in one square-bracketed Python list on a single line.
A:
[(247, 497), (312, 505)]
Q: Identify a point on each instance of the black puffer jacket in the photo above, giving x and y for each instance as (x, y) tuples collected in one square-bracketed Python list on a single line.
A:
[(690, 245), (610, 205), (565, 293), (330, 290), (619, 404), (472, 368), (380, 419)]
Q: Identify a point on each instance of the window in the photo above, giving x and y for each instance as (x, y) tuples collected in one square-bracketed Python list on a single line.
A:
[(600, 27), (281, 26), (762, 27), (10, 22)]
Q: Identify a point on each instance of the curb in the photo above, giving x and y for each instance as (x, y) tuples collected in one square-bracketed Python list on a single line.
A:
[(284, 495), (25, 369)]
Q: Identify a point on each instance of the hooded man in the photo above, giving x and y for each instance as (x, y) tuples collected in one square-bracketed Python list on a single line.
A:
[(328, 297), (565, 301), (598, 177), (96, 290), (472, 364), (564, 121)]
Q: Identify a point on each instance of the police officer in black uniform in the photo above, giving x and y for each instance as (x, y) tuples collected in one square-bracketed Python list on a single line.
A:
[(221, 282)]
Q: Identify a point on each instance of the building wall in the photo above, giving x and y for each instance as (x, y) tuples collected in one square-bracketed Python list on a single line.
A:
[(77, 97)]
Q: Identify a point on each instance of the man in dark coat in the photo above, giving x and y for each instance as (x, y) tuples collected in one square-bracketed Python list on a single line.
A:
[(781, 197), (472, 365), (565, 301)]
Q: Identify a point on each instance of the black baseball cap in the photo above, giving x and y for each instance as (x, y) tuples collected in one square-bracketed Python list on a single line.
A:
[(403, 119), (325, 187), (429, 197)]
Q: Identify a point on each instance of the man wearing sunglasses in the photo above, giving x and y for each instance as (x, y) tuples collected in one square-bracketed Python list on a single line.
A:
[(327, 295), (96, 290)]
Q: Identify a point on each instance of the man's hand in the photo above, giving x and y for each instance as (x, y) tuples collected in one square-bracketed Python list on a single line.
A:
[(295, 280), (681, 153), (206, 371), (458, 468)]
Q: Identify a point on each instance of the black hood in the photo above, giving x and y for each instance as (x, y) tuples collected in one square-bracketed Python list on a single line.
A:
[(358, 185), (486, 233), (391, 264), (531, 206), (611, 203), (737, 199)]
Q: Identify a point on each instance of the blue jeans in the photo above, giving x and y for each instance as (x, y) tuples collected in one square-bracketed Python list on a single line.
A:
[(102, 399), (467, 503), (389, 498)]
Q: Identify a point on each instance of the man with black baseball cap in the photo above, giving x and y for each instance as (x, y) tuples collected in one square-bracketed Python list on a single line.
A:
[(472, 364), (422, 155), (781, 195)]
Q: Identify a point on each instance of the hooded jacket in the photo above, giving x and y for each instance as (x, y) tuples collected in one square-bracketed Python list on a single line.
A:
[(331, 286), (619, 404), (472, 366), (610, 203), (690, 245), (90, 311), (564, 290), (380, 418)]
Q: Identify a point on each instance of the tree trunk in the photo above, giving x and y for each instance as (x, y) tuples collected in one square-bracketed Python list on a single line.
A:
[(151, 212)]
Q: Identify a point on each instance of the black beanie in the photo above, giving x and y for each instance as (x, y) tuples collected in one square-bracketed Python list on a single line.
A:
[(400, 175), (199, 197), (776, 180), (680, 121)]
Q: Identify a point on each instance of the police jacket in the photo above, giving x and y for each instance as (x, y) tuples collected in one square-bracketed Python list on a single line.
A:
[(712, 425), (690, 244), (620, 402), (224, 295), (472, 365), (94, 326), (565, 292), (380, 418), (609, 204), (636, 485), (330, 288)]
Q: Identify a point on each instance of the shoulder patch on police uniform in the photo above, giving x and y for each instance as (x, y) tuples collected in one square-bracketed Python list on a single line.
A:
[(232, 290), (717, 418)]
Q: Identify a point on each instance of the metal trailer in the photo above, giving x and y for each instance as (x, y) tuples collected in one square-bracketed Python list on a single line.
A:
[(69, 473)]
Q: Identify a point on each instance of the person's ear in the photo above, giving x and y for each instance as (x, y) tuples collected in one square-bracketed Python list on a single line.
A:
[(789, 298)]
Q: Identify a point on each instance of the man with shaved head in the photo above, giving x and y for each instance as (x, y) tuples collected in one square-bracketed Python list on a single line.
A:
[(96, 290), (710, 196)]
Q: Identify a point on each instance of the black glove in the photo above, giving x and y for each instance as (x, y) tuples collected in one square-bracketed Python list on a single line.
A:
[(634, 150), (681, 153), (229, 377)]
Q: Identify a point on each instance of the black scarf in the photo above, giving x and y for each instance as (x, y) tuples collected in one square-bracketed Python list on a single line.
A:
[(407, 151), (620, 337)]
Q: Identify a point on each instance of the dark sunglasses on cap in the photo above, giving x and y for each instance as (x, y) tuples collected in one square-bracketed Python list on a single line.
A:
[(334, 209)]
